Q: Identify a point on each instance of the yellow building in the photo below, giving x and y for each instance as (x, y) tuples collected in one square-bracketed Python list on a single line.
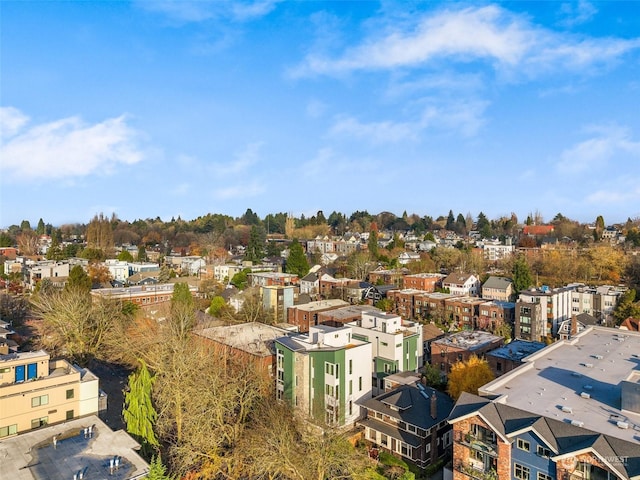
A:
[(36, 391)]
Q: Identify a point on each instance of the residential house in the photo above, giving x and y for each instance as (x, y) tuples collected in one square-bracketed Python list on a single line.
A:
[(569, 412), (461, 346), (538, 230), (374, 293), (119, 269), (494, 251), (305, 316), (394, 277), (576, 324), (50, 269), (498, 288), (407, 257), (465, 284), (631, 324), (325, 375), (310, 284), (396, 344), (404, 301), (410, 422), (36, 391)]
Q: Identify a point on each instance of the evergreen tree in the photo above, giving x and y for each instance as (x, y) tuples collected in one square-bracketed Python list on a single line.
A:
[(142, 253), (40, 230), (139, 413), (521, 274), (78, 279), (451, 221), (372, 243), (25, 226), (157, 471), (255, 247), (297, 261), (125, 256)]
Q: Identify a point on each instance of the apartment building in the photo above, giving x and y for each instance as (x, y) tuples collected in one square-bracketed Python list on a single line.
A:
[(464, 311), (427, 282), (496, 313), (396, 344), (36, 391), (276, 299), (539, 312), (465, 284), (512, 355), (263, 279), (325, 374), (600, 302), (571, 411)]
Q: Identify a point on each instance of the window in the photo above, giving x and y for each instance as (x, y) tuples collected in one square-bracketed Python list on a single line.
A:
[(360, 383), (350, 367), (499, 366), (544, 476), (41, 400), (10, 430), (523, 445), (521, 472), (384, 344), (544, 452), (39, 422), (69, 415), (384, 440), (70, 393), (350, 387)]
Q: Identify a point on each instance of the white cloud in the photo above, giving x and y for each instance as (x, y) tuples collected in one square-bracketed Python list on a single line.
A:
[(11, 121), (576, 14), (67, 148), (624, 192), (506, 40), (199, 11), (242, 160), (605, 144), (463, 117), (244, 190)]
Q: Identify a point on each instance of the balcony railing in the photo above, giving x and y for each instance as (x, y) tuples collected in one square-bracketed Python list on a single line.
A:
[(474, 471), (482, 444)]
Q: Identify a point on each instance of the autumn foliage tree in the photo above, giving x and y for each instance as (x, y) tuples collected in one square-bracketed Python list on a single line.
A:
[(468, 376)]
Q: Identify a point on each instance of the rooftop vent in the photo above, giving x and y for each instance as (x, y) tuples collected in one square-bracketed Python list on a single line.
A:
[(599, 357), (588, 365), (623, 425), (585, 395), (567, 409), (577, 423)]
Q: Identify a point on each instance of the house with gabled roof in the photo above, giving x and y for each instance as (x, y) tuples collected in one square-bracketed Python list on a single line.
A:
[(462, 284), (499, 288)]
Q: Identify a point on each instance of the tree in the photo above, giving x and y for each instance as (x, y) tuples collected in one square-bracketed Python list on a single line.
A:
[(99, 234), (78, 280), (521, 274), (468, 376), (597, 234), (451, 222), (240, 280), (372, 242), (40, 229), (627, 307), (157, 470), (125, 256), (217, 306), (297, 261), (13, 309), (142, 253), (255, 248), (385, 304), (76, 326), (139, 413), (432, 376)]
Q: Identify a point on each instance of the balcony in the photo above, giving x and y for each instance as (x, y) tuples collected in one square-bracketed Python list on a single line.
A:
[(482, 443), (475, 470)]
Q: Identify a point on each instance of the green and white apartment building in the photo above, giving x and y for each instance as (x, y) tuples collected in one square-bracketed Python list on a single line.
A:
[(396, 345), (325, 374)]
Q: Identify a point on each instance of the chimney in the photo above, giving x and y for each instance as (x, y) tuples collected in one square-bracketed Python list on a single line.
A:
[(574, 326), (434, 405)]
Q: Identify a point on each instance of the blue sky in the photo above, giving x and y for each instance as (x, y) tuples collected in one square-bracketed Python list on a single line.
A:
[(170, 109)]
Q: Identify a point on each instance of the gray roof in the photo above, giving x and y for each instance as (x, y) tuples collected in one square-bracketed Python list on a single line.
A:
[(411, 404), (499, 283), (560, 436)]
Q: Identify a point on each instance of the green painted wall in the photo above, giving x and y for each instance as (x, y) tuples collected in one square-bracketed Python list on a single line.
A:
[(317, 404), (410, 345)]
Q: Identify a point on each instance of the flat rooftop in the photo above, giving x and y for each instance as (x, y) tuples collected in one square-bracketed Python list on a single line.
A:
[(254, 338), (468, 340), (517, 350), (32, 455), (321, 305), (577, 380)]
